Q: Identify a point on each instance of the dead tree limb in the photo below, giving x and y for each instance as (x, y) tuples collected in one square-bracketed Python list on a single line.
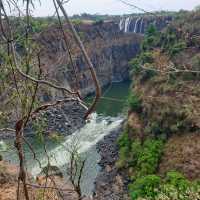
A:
[(87, 59)]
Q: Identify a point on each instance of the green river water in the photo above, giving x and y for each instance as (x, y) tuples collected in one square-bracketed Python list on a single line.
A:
[(114, 99), (108, 117)]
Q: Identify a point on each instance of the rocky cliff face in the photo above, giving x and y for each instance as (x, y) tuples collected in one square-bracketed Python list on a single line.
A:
[(110, 46)]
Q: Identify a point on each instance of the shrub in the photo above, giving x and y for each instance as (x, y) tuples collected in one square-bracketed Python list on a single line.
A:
[(177, 180), (143, 58), (134, 103), (147, 57), (152, 38), (145, 187), (136, 65), (146, 75), (123, 140), (136, 149), (77, 22), (149, 157), (123, 157), (176, 48), (125, 145)]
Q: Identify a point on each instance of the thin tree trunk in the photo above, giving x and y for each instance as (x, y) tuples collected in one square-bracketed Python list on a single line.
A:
[(87, 59)]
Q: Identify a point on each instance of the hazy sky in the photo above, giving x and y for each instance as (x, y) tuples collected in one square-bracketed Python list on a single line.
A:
[(115, 6)]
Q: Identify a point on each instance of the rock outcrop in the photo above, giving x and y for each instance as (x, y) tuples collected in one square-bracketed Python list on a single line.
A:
[(61, 120), (108, 44), (110, 184)]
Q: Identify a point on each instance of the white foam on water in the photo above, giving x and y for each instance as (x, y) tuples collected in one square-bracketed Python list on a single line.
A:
[(136, 25), (127, 23), (85, 139)]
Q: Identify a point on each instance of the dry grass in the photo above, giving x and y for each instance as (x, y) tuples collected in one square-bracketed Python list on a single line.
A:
[(8, 186), (182, 153)]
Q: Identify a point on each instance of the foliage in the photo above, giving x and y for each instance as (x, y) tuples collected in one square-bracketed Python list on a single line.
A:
[(144, 187), (125, 144), (142, 59), (173, 187), (151, 40), (134, 102), (136, 65), (77, 22), (175, 48), (144, 158), (56, 137), (146, 75), (39, 126), (177, 180), (148, 158)]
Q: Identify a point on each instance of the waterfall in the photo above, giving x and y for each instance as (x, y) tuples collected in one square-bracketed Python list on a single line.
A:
[(127, 23), (85, 138), (124, 24), (136, 24), (141, 25), (121, 24)]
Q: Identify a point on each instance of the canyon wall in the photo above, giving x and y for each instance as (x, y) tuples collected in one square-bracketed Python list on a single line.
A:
[(110, 45)]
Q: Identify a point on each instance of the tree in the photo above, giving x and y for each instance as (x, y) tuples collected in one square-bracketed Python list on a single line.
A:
[(22, 75)]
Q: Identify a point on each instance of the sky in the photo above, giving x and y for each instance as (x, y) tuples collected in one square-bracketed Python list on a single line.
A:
[(114, 6)]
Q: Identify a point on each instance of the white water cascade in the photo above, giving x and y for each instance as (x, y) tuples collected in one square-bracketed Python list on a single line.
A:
[(127, 23), (124, 25), (86, 139), (121, 24), (136, 25)]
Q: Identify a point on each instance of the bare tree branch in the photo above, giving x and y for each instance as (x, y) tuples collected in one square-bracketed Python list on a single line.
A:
[(87, 59)]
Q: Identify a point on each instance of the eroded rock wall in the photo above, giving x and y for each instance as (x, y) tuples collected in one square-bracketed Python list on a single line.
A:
[(109, 48)]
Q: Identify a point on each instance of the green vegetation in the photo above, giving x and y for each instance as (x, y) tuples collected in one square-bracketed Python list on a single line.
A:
[(171, 42), (77, 21), (134, 103), (39, 127), (162, 109), (174, 186), (145, 187), (148, 157), (151, 40), (144, 158)]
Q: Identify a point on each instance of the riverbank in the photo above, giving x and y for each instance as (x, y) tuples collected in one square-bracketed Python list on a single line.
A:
[(88, 138), (110, 184), (62, 120), (9, 184)]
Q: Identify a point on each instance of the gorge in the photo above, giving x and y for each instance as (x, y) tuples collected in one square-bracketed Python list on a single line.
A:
[(110, 44), (142, 141)]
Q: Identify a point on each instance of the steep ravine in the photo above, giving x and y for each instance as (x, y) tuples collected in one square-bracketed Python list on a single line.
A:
[(110, 50), (108, 45)]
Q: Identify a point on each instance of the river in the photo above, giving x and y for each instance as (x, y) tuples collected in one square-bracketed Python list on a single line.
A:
[(107, 118)]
